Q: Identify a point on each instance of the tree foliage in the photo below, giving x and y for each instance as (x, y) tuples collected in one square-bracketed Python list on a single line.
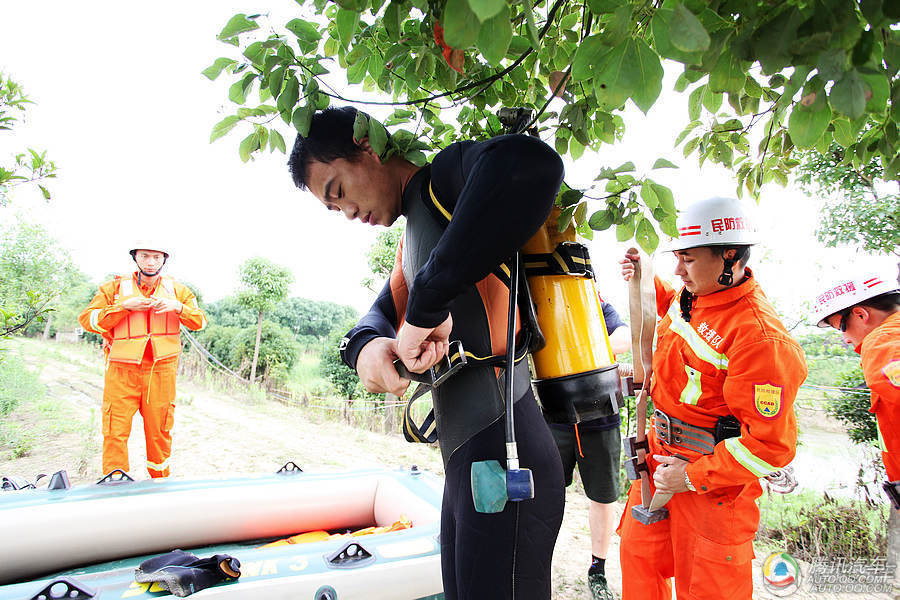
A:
[(383, 252), (34, 270), (802, 74), (265, 284), (29, 166), (852, 407), (861, 211), (342, 377)]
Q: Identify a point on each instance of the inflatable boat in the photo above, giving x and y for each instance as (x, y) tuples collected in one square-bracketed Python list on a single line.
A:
[(86, 541)]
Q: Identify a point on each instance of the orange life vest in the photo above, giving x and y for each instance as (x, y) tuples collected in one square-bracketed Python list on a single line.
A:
[(131, 334)]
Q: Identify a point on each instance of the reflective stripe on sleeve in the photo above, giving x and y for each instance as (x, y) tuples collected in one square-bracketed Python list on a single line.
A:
[(692, 390), (95, 316), (158, 466), (700, 347), (752, 463)]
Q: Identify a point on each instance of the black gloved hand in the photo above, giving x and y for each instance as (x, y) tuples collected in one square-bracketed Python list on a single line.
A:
[(182, 573)]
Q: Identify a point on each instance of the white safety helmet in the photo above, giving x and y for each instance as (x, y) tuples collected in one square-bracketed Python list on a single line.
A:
[(714, 222), (145, 244), (849, 292)]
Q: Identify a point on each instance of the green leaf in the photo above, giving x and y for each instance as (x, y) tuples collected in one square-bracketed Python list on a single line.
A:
[(287, 100), (215, 69), (712, 101), (416, 157), (669, 226), (625, 230), (276, 142), (648, 195), (611, 173), (486, 9), (661, 26), (570, 197), (843, 133), (44, 191), (238, 24), (601, 220), (576, 149), (356, 6), (237, 93), (880, 89), (565, 218), (589, 52), (304, 30), (687, 32), (773, 40), (460, 24), (631, 69), (662, 163), (807, 126), (694, 102), (377, 137), (223, 127), (494, 37), (346, 20), (360, 127), (302, 119), (848, 96), (248, 145), (391, 20), (646, 235), (832, 63), (530, 27), (729, 74), (580, 215), (599, 7), (666, 199), (562, 145)]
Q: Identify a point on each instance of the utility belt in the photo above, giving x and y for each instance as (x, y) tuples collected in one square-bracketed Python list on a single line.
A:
[(892, 489), (678, 434), (681, 434)]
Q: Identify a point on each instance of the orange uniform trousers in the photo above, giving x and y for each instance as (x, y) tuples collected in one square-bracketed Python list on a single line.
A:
[(148, 388), (706, 544)]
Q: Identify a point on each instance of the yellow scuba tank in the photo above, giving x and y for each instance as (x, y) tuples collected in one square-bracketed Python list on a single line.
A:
[(576, 378)]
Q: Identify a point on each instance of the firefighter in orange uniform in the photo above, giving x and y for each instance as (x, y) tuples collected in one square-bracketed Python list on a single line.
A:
[(139, 316), (866, 310), (725, 375)]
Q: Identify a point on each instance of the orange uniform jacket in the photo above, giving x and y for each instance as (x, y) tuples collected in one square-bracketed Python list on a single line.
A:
[(734, 357), (105, 311), (881, 367)]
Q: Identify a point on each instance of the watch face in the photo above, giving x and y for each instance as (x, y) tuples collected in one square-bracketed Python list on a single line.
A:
[(344, 342)]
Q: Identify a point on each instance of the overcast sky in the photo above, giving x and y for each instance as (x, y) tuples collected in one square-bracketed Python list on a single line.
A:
[(122, 108)]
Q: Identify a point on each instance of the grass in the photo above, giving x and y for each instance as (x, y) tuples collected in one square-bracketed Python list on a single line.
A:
[(808, 524)]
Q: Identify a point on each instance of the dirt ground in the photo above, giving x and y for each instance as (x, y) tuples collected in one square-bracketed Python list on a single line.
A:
[(224, 434)]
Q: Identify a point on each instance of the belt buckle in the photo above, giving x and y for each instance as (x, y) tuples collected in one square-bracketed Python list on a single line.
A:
[(666, 425), (450, 364)]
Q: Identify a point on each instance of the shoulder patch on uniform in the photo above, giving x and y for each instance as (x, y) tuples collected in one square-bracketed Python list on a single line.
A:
[(767, 399), (892, 372)]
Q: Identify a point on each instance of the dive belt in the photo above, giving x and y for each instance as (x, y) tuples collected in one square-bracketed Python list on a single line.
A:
[(457, 358), (892, 489), (677, 433), (569, 258)]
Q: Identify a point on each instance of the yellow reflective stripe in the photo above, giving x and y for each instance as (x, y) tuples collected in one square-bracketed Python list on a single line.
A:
[(752, 463), (700, 347), (202, 322), (126, 287), (880, 439), (95, 317), (692, 390), (158, 466), (438, 204)]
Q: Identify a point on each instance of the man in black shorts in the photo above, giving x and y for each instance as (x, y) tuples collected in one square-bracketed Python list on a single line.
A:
[(466, 213), (595, 447)]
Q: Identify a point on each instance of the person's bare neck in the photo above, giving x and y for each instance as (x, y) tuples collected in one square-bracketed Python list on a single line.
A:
[(402, 169)]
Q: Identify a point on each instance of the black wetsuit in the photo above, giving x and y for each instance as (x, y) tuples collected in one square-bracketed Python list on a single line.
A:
[(499, 193)]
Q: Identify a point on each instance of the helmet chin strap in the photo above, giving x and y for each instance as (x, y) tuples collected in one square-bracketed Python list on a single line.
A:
[(727, 276), (146, 274)]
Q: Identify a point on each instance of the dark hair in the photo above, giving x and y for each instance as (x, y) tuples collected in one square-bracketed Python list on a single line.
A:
[(888, 302), (742, 253), (330, 137)]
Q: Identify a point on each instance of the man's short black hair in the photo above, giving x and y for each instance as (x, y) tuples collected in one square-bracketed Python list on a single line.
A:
[(888, 302), (330, 137), (741, 255)]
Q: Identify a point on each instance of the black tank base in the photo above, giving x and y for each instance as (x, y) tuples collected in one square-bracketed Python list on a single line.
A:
[(644, 515), (580, 397)]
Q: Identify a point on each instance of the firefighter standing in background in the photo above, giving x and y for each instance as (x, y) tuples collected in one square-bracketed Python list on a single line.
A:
[(725, 375), (866, 310), (139, 316)]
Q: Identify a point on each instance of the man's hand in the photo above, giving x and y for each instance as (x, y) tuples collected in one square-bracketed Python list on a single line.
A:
[(669, 475), (166, 305), (628, 265), (137, 303), (375, 366), (421, 348)]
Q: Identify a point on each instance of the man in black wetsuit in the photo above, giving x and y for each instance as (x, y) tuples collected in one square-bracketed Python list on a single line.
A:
[(467, 212)]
